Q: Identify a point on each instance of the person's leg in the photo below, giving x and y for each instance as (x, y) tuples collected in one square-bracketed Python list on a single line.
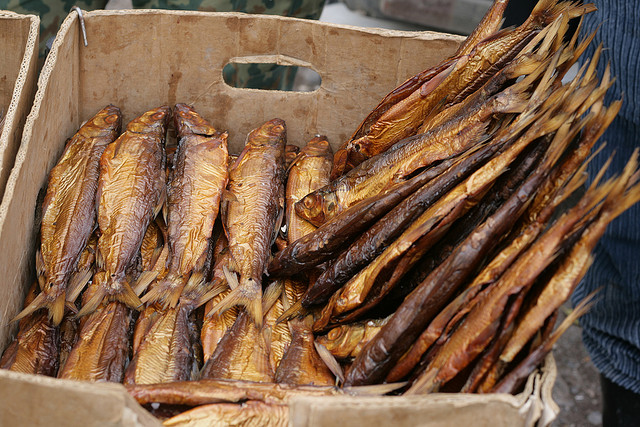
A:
[(620, 407)]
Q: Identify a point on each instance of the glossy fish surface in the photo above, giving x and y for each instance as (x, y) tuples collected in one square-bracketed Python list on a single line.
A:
[(130, 193), (68, 212)]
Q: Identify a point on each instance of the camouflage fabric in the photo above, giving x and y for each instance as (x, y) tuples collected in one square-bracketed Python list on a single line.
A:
[(258, 76), (51, 13), (308, 9)]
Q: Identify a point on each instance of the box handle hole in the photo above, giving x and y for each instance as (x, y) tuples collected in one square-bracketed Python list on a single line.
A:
[(270, 76)]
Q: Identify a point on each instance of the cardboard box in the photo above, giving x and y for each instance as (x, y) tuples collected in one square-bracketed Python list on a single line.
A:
[(18, 69), (138, 60)]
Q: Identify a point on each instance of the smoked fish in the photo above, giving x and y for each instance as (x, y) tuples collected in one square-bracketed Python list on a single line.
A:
[(251, 210), (69, 208), (193, 198), (131, 192)]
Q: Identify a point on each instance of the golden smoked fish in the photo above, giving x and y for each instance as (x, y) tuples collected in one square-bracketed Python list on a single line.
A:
[(35, 349), (130, 194), (251, 211), (466, 72), (309, 172), (166, 353), (198, 178), (347, 341), (250, 413), (68, 212), (103, 345)]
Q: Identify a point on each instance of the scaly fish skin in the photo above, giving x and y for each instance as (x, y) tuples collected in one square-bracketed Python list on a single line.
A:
[(251, 210), (199, 176), (68, 213), (130, 194)]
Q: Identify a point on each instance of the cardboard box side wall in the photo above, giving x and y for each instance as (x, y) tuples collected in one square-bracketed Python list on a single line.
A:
[(138, 60), (19, 35)]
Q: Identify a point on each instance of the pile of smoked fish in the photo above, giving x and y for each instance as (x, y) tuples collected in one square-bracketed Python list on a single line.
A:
[(430, 253)]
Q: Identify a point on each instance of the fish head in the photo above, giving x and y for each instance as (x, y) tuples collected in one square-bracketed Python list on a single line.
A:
[(152, 122), (108, 121), (317, 207), (188, 121), (273, 132), (318, 147), (341, 340)]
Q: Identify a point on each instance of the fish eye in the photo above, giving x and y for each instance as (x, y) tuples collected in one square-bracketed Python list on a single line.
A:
[(111, 118), (158, 115), (308, 202)]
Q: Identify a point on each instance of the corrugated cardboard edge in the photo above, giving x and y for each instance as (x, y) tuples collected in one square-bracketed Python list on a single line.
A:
[(23, 91), (90, 404)]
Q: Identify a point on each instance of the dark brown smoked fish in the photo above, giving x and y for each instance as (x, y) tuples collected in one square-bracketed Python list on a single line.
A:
[(424, 303), (251, 211), (69, 213), (193, 198), (322, 244), (131, 192)]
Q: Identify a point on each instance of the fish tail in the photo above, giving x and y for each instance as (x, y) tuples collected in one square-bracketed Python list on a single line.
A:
[(77, 284), (166, 292), (92, 304), (295, 310), (213, 289), (250, 298), (54, 303), (547, 11), (128, 297), (144, 280)]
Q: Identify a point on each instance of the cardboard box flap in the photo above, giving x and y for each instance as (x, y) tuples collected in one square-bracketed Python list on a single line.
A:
[(191, 70), (19, 35), (527, 408), (40, 400)]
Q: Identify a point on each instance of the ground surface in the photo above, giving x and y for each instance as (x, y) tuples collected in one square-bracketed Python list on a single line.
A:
[(577, 387)]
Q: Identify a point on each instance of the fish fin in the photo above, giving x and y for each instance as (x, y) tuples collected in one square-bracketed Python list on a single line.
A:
[(162, 205), (166, 292), (77, 283), (214, 289), (144, 280), (128, 297), (232, 280), (99, 260), (271, 295), (55, 305), (37, 303), (250, 298), (93, 303), (69, 305), (195, 286), (375, 389), (330, 361), (296, 309), (39, 263)]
